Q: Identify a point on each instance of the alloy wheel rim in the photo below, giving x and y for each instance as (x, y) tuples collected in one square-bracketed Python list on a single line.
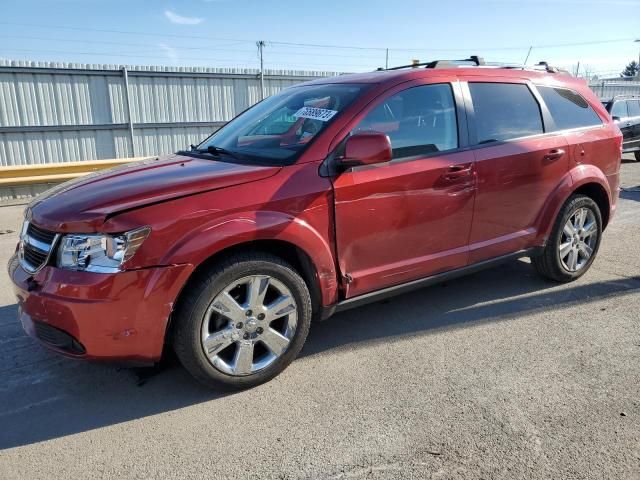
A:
[(578, 239), (249, 325)]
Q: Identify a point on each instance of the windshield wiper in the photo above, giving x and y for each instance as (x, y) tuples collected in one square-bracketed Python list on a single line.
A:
[(217, 151)]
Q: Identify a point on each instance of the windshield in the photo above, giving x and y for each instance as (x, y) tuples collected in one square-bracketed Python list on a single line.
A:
[(278, 129)]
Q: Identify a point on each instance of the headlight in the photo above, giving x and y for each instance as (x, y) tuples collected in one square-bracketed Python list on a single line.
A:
[(100, 253)]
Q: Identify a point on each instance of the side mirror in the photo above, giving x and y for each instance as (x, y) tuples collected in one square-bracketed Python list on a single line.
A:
[(615, 118), (366, 148)]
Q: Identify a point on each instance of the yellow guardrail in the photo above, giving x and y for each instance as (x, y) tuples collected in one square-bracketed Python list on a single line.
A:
[(55, 172)]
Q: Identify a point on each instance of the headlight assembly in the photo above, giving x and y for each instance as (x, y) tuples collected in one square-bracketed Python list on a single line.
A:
[(100, 253)]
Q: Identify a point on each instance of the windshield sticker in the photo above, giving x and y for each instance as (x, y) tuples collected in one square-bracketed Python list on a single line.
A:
[(314, 113)]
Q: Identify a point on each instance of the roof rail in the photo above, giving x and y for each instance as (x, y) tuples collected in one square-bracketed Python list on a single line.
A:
[(413, 65), (476, 60), (551, 69), (547, 67)]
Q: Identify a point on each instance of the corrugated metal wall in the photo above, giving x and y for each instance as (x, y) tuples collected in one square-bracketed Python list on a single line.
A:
[(52, 112), (607, 89)]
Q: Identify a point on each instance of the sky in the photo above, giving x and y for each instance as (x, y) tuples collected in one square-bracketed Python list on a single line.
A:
[(326, 35)]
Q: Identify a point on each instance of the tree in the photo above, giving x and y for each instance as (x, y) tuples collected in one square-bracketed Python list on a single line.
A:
[(631, 70)]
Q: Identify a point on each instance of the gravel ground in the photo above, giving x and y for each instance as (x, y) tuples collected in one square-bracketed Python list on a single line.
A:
[(496, 375)]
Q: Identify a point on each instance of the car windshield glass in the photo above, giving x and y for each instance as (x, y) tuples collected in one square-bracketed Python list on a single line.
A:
[(277, 130)]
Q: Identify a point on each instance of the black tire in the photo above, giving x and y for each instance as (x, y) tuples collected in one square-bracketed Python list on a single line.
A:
[(637, 155), (548, 263), (200, 292)]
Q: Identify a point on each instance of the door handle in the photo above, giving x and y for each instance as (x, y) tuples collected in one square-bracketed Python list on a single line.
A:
[(457, 171), (554, 154)]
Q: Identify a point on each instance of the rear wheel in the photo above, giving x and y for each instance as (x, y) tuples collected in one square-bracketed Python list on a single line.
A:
[(243, 321), (637, 154), (574, 241)]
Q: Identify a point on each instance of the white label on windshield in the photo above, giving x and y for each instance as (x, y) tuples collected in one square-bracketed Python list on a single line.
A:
[(314, 113)]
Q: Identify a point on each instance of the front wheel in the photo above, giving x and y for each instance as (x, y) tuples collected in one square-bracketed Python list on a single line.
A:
[(637, 154), (243, 321), (574, 241)]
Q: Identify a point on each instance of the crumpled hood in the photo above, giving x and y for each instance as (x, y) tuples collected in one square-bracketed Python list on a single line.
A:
[(83, 204)]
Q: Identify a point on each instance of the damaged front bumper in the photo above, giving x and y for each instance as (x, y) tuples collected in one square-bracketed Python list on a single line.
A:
[(116, 317)]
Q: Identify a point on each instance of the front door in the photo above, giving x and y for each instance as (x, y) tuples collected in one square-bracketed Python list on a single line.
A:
[(408, 218)]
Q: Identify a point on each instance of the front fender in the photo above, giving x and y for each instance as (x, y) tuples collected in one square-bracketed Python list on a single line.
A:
[(243, 227), (570, 182)]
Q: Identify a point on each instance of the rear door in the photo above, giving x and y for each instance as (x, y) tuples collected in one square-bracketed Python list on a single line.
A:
[(518, 164), (633, 108), (589, 142), (620, 115), (408, 218)]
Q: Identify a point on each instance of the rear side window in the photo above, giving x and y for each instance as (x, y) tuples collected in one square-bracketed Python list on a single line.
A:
[(419, 121), (619, 109), (634, 108), (568, 108), (504, 111)]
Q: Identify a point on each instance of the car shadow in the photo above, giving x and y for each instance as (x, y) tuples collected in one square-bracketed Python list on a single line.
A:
[(44, 396), (630, 193), (502, 293)]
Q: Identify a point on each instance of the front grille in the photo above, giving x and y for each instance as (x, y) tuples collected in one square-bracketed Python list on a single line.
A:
[(58, 338), (34, 256), (39, 234), (36, 247)]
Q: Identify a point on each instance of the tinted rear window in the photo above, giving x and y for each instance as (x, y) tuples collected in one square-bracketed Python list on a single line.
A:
[(568, 108), (619, 109), (504, 111)]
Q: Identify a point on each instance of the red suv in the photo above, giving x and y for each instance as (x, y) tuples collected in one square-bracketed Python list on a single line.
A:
[(326, 196)]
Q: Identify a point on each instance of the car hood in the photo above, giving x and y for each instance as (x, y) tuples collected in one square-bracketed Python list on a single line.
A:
[(83, 204)]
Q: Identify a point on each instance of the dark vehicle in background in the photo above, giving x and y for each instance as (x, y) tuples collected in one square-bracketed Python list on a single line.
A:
[(625, 111)]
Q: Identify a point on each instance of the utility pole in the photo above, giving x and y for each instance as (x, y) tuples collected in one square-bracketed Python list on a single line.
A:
[(261, 44), (386, 61)]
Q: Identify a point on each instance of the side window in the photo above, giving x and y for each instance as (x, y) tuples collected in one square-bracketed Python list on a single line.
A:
[(619, 109), (419, 121), (504, 111), (568, 108), (634, 108)]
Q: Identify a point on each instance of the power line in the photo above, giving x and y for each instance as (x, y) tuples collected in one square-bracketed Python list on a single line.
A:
[(272, 64), (317, 45), (401, 49), (67, 52), (129, 55), (124, 44), (522, 47), (205, 49), (125, 32)]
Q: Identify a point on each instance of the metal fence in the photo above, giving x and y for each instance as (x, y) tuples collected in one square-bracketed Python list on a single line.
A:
[(607, 89), (51, 112)]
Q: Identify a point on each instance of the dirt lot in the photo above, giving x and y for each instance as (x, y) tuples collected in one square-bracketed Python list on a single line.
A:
[(497, 375)]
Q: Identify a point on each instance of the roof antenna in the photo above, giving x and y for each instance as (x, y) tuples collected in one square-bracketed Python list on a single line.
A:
[(527, 57)]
